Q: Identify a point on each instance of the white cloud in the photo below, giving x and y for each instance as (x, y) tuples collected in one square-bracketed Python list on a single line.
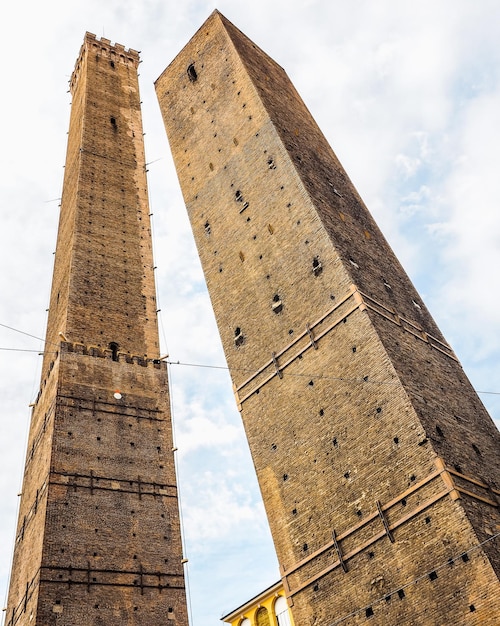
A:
[(408, 95)]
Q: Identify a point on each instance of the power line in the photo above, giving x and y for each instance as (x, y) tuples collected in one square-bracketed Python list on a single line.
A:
[(21, 350), (363, 380), (22, 332)]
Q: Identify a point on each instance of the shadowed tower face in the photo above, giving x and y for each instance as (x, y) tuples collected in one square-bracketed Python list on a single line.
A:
[(378, 464), (98, 539)]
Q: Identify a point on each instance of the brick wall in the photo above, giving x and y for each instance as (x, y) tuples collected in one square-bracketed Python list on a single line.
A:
[(98, 539), (360, 420)]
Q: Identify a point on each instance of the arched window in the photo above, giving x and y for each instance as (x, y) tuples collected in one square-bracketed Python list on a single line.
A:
[(262, 617), (113, 346), (191, 72), (281, 610)]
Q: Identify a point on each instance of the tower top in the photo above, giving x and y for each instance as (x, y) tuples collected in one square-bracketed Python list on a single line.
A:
[(116, 53)]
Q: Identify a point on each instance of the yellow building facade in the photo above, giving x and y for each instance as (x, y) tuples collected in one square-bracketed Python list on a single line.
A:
[(269, 608)]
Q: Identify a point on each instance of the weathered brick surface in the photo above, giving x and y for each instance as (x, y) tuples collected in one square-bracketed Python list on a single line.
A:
[(98, 538), (356, 410)]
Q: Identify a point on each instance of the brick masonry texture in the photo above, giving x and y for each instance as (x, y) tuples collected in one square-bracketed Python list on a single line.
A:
[(377, 462), (98, 538)]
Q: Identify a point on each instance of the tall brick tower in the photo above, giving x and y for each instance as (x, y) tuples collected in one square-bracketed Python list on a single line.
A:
[(377, 462), (98, 538)]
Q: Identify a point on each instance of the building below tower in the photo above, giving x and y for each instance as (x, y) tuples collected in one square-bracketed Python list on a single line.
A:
[(268, 608)]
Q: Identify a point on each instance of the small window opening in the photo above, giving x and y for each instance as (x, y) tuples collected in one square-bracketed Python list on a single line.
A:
[(114, 350), (427, 520), (277, 305), (191, 72), (239, 338), (433, 575), (285, 477), (439, 431), (321, 412), (396, 440), (472, 608), (379, 409), (335, 443), (294, 511), (238, 196), (271, 164), (371, 555), (369, 611), (346, 475), (317, 267), (113, 121), (359, 513), (305, 547), (316, 587), (208, 230), (403, 502), (465, 557), (112, 63), (401, 594)]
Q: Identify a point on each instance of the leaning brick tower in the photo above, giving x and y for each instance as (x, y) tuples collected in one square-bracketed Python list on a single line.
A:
[(98, 538), (378, 464)]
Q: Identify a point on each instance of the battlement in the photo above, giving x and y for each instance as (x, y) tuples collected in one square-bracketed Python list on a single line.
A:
[(67, 347), (106, 353), (106, 45), (116, 53)]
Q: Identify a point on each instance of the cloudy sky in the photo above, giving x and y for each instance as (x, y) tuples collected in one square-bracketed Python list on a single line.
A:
[(408, 94)]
